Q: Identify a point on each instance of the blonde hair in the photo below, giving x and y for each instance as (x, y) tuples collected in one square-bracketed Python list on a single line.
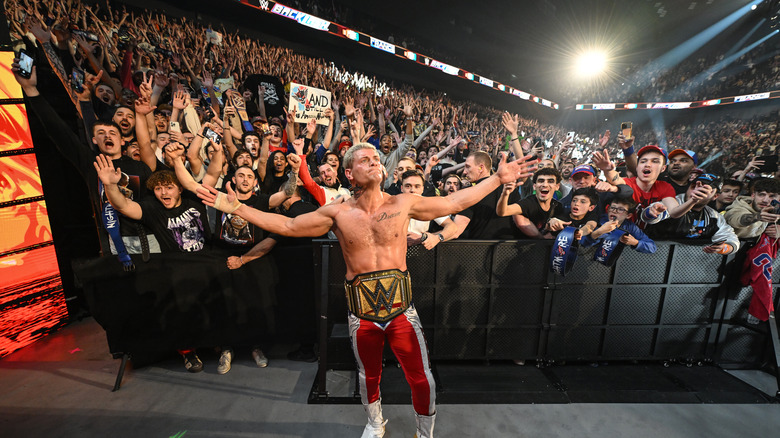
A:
[(349, 156)]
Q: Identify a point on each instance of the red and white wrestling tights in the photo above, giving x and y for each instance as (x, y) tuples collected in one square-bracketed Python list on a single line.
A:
[(405, 335)]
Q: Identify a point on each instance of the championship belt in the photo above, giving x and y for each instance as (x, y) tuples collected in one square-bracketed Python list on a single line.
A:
[(379, 296), (610, 248), (564, 252), (238, 102)]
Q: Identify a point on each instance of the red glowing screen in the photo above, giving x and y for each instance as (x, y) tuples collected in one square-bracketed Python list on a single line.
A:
[(32, 303)]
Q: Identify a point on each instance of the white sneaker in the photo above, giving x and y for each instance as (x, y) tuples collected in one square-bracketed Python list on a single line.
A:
[(224, 361), (259, 357), (372, 431)]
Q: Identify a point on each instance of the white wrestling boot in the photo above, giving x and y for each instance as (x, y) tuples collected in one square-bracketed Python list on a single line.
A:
[(376, 424), (424, 425)]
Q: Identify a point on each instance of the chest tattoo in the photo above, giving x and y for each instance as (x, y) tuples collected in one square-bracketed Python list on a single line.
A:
[(385, 216)]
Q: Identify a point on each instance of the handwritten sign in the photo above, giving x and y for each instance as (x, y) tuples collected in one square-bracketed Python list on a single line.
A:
[(309, 103)]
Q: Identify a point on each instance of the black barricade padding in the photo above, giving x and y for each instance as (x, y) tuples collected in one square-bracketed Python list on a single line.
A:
[(180, 301), (498, 300)]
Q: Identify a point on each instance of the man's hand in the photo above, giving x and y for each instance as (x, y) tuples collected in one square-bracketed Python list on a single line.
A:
[(556, 224), (234, 262), (29, 85), (510, 123), (431, 241), (629, 240), (180, 100), (298, 144), (143, 106), (624, 142), (701, 192), (41, 34), (768, 215), (518, 170), (106, 172), (607, 227), (408, 108), (603, 186), (602, 161), (311, 125), (414, 239), (655, 209), (207, 81), (349, 107), (509, 187), (161, 79), (145, 88), (227, 203), (754, 163), (604, 139), (295, 160), (174, 151)]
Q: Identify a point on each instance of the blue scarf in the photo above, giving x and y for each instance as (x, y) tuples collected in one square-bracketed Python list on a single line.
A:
[(111, 223)]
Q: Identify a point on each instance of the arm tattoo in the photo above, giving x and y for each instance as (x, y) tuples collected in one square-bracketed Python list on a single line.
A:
[(59, 70), (615, 178)]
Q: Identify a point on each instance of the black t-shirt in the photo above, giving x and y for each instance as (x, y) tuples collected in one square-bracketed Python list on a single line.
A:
[(184, 228), (133, 186), (235, 233), (677, 188), (576, 223), (296, 209), (539, 217), (484, 223)]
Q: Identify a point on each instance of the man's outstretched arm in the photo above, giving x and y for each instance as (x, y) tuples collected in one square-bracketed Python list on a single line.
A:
[(429, 208), (311, 224)]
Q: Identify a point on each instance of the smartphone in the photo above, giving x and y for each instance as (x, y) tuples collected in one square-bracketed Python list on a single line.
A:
[(213, 136), (770, 164), (174, 126), (343, 118), (626, 128), (570, 135), (77, 80), (25, 64)]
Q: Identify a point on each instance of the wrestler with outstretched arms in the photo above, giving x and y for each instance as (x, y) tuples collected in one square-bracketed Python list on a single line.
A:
[(371, 227)]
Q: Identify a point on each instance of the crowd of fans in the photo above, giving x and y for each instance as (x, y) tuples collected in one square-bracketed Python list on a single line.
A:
[(168, 106)]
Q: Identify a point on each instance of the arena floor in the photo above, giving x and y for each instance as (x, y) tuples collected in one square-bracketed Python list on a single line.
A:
[(61, 387)]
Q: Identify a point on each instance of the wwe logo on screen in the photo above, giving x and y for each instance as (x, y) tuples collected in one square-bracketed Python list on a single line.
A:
[(263, 4)]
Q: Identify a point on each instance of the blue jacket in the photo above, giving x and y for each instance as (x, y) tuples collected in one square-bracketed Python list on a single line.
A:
[(645, 245)]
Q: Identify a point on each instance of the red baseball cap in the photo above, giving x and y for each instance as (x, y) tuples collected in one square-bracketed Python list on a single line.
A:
[(652, 148)]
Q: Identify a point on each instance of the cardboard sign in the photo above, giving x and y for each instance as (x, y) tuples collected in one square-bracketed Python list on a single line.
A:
[(309, 103), (221, 85)]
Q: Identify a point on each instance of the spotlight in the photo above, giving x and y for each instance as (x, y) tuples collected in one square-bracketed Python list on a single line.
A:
[(591, 63)]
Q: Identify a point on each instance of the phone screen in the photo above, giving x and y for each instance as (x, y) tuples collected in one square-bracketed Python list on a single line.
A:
[(77, 80), (213, 136), (626, 128), (25, 65)]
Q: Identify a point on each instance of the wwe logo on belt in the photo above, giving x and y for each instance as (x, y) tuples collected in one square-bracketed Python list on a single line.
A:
[(381, 296)]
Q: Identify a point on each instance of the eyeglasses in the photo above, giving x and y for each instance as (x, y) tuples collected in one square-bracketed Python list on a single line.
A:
[(618, 210)]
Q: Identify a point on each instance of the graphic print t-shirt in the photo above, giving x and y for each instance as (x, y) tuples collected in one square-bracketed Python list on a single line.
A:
[(236, 232), (184, 228)]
